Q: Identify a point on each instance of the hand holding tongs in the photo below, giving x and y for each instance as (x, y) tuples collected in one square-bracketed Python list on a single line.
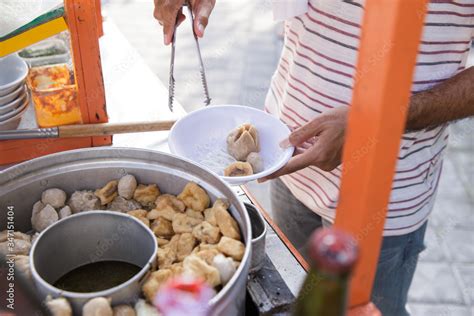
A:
[(207, 100)]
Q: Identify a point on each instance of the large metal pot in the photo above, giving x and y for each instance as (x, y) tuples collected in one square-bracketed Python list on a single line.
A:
[(21, 186)]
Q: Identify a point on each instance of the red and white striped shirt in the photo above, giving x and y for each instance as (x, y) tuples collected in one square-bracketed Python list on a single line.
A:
[(316, 73)]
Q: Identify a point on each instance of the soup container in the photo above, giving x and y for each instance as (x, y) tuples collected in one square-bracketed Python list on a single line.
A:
[(21, 186), (90, 237)]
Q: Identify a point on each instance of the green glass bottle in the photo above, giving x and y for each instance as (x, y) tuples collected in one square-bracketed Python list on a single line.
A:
[(333, 254)]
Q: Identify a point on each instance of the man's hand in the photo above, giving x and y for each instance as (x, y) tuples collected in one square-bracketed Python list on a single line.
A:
[(169, 13), (319, 143)]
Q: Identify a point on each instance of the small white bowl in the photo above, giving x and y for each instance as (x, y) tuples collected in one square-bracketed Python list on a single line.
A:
[(13, 71), (24, 104), (13, 122), (13, 105), (201, 136), (16, 94)]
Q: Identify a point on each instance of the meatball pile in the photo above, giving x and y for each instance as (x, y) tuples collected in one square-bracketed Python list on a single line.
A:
[(194, 237)]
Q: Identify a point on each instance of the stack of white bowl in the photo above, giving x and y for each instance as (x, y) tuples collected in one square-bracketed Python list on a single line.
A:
[(14, 96)]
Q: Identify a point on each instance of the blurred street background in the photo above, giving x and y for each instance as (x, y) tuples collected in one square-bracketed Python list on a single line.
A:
[(240, 52)]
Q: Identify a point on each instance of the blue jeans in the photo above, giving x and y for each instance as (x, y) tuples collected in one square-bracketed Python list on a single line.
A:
[(398, 256)]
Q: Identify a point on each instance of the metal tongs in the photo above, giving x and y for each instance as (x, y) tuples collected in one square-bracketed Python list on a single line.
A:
[(207, 100)]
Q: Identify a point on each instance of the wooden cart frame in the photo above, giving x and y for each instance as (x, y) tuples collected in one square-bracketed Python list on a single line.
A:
[(84, 21)]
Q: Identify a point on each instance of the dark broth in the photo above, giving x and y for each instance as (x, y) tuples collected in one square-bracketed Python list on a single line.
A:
[(97, 276)]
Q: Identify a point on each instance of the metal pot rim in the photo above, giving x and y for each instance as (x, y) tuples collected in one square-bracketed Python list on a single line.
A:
[(104, 293), (18, 171), (262, 220)]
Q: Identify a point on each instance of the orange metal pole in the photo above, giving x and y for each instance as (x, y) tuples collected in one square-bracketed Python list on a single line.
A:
[(98, 10), (391, 33)]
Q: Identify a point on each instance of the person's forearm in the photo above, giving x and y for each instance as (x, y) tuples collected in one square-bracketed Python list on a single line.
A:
[(449, 101)]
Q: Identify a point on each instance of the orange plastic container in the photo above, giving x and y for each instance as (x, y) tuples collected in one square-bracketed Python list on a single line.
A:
[(54, 96)]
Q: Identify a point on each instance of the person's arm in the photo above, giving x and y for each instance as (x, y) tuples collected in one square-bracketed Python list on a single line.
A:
[(323, 137), (451, 100), (169, 12)]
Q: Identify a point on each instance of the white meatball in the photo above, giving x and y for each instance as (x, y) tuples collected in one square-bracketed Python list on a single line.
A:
[(99, 306), (123, 205), (225, 266), (84, 201), (124, 310), (41, 220), (255, 161), (144, 309), (54, 197), (38, 206), (59, 307), (65, 212), (126, 186)]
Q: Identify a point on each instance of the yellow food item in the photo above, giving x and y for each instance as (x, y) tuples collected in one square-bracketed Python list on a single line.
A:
[(154, 283), (238, 169), (197, 267), (207, 233), (195, 197), (242, 141), (146, 194), (231, 248), (225, 221), (107, 193)]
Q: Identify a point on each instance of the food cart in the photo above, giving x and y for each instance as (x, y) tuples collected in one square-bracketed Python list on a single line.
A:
[(379, 110)]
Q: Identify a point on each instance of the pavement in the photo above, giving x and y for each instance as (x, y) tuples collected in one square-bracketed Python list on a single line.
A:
[(242, 45)]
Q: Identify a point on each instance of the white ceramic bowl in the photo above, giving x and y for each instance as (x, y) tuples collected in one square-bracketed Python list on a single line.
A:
[(23, 105), (4, 109), (13, 71), (13, 122), (16, 94), (201, 137)]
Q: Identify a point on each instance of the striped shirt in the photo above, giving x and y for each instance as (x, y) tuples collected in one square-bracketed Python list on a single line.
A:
[(316, 73)]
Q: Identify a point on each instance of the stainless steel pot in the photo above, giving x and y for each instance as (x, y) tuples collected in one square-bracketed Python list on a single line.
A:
[(90, 237), (259, 233), (21, 186)]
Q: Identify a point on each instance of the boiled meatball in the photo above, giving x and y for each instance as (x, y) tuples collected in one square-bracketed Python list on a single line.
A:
[(65, 212), (84, 201), (126, 186), (124, 310), (142, 308), (99, 306), (59, 307), (255, 161), (121, 204), (45, 217), (54, 197)]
